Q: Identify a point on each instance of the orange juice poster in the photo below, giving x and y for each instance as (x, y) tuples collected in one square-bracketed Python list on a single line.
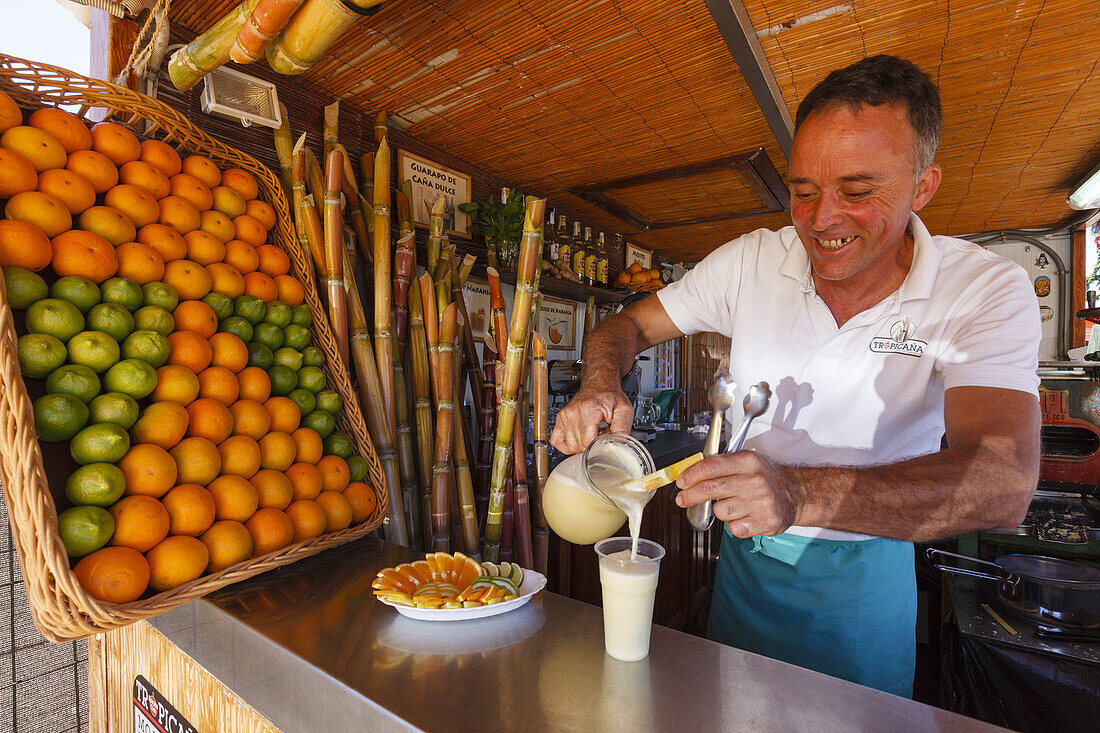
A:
[(557, 323)]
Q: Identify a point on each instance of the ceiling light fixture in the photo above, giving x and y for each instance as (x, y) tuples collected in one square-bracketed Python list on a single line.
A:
[(1086, 194)]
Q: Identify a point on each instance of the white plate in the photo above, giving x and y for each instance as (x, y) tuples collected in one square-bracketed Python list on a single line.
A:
[(532, 583)]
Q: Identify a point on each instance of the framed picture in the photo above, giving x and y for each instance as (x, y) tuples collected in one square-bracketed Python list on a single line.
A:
[(557, 323), (636, 254), (476, 294), (429, 181)]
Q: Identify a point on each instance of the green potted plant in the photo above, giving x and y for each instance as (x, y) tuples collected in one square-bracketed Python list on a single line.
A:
[(500, 223)]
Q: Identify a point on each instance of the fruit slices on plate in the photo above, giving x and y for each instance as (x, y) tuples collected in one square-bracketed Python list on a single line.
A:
[(442, 580)]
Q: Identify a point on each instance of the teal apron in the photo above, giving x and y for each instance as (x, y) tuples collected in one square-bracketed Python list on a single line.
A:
[(847, 609)]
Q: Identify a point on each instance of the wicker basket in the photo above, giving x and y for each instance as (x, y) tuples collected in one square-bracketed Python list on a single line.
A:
[(62, 609), (649, 287)]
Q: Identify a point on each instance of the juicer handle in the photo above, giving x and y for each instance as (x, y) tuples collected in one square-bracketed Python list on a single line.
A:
[(999, 574), (700, 516)]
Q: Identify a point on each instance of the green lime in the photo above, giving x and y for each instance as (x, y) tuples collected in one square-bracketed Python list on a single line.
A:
[(55, 317), (84, 529), (98, 484), (278, 313), (148, 346), (288, 357), (23, 287), (80, 291), (296, 337), (249, 307), (154, 318), (305, 400), (159, 294), (132, 377), (221, 303), (357, 465), (75, 379), (100, 443), (40, 354), (59, 417), (94, 349), (114, 407), (283, 380), (338, 444), (260, 356), (300, 316), (329, 401), (312, 356), (311, 378), (320, 421), (268, 334), (124, 292), (237, 326), (112, 319)]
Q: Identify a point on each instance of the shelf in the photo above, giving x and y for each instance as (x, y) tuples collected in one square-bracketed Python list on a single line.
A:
[(565, 289)]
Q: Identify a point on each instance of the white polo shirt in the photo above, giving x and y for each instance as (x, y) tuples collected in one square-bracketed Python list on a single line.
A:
[(872, 391)]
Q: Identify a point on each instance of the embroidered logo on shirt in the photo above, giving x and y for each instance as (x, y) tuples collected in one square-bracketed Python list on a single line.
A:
[(900, 340)]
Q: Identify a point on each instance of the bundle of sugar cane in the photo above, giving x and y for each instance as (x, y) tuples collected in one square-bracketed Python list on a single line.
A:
[(440, 331), (263, 24), (404, 266), (209, 50), (334, 253), (539, 385), (487, 428), (422, 404), (310, 32), (527, 266), (284, 148)]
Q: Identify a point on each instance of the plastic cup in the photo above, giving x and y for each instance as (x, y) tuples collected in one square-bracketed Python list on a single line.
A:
[(629, 588)]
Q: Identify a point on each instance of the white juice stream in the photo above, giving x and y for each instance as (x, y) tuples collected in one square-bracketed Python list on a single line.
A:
[(632, 503)]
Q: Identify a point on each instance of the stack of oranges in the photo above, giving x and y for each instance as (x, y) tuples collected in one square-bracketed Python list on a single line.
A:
[(220, 467), (635, 274)]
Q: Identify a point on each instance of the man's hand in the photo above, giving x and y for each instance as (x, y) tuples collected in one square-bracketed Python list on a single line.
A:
[(578, 423), (751, 494)]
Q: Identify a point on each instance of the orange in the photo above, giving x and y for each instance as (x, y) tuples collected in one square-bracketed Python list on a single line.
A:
[(227, 201), (116, 142), (241, 255), (308, 518), (271, 530), (165, 240), (190, 509), (39, 147), (273, 488), (210, 419), (262, 212), (249, 229), (194, 315), (240, 181), (306, 480), (290, 290), (362, 500), (240, 456), (190, 279), (337, 510), (218, 383), (162, 423), (96, 167), (46, 212), (228, 542), (203, 169), (276, 451), (225, 279), (218, 224), (135, 202), (308, 445), (162, 156), (335, 474), (175, 561), (204, 247), (250, 419), (259, 285), (114, 574), (66, 128), (147, 176), (176, 384), (72, 189), (285, 415), (255, 384), (149, 470), (179, 213), (229, 352), (10, 114), (16, 174), (140, 522), (109, 223), (189, 349), (84, 253), (197, 461), (23, 245), (188, 187), (634, 268), (234, 498), (273, 260), (139, 262)]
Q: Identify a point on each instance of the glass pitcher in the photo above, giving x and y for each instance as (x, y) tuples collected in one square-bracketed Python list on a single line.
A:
[(647, 413)]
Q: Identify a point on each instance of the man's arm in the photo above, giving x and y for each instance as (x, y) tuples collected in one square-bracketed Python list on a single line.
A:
[(985, 478), (608, 355)]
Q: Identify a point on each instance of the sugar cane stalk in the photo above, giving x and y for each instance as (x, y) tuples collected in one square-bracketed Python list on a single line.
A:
[(311, 31), (383, 279), (466, 337), (487, 427), (405, 263), (435, 234), (334, 253), (284, 148), (464, 485), (330, 129), (404, 207), (508, 517), (209, 50), (356, 207), (540, 387), (263, 24), (443, 383), (422, 405)]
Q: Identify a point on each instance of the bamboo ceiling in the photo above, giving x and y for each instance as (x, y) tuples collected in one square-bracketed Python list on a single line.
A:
[(554, 95)]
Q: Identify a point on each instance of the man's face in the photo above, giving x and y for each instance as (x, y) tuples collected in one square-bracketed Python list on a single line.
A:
[(853, 184)]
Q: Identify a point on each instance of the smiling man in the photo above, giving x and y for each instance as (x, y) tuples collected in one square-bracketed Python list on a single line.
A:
[(878, 339)]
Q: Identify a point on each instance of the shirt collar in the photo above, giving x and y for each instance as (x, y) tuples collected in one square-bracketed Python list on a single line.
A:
[(796, 264)]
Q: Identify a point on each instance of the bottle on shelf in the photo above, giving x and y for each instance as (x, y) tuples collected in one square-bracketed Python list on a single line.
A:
[(578, 251), (550, 241), (565, 246), (601, 263), (589, 258)]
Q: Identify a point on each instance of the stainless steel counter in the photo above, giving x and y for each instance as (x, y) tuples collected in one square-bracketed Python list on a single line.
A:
[(310, 648)]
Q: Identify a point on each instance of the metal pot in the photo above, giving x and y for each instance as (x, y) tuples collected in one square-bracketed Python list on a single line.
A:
[(1047, 590)]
